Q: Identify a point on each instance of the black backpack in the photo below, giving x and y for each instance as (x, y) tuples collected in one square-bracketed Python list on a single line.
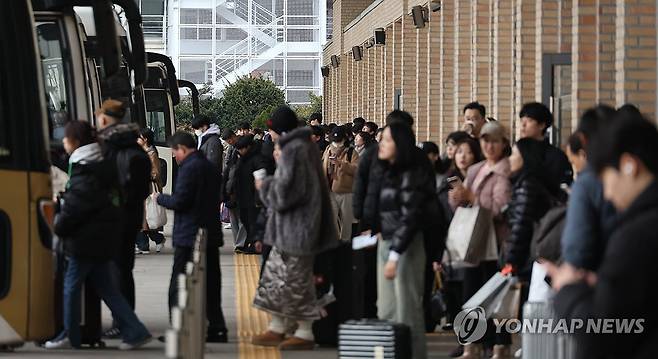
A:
[(547, 236), (134, 173)]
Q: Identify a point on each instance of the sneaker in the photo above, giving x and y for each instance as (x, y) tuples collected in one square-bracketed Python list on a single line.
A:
[(137, 344), (137, 250), (145, 251), (158, 247), (294, 343), (112, 333), (227, 226), (63, 343)]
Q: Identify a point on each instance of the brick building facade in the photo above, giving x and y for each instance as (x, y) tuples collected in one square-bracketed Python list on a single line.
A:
[(569, 54)]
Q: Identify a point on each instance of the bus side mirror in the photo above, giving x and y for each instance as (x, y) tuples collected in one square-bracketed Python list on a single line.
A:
[(109, 49)]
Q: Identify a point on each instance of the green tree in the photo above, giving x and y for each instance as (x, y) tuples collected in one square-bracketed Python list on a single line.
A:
[(315, 105), (246, 99), (261, 120), (184, 113)]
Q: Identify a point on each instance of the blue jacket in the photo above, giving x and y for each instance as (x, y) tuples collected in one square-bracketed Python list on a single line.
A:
[(195, 201), (590, 220)]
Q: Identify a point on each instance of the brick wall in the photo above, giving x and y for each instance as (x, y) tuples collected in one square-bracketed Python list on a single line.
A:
[(491, 51)]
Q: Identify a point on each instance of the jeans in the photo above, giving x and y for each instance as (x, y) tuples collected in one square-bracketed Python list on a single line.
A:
[(214, 314), (239, 232), (401, 299), (99, 272), (143, 237)]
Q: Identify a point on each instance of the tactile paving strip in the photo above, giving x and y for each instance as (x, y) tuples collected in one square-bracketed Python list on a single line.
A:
[(250, 320)]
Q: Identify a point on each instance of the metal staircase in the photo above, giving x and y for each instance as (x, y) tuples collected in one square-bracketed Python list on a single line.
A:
[(264, 40)]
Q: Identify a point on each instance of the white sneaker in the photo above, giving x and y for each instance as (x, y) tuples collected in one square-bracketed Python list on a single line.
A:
[(158, 247), (58, 344), (129, 346), (227, 226), (137, 251)]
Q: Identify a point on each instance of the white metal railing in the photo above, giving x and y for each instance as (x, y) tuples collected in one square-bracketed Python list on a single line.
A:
[(187, 336), (153, 26)]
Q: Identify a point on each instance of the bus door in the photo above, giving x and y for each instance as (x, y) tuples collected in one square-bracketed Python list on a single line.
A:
[(26, 263)]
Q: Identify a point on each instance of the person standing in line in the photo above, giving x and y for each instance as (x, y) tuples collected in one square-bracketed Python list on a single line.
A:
[(300, 226), (363, 141), (88, 221), (624, 285), (407, 194), (228, 188), (315, 119), (195, 202), (534, 120), (318, 137), (146, 140), (486, 185), (590, 218), (119, 145), (475, 116), (339, 164), (208, 140), (248, 203)]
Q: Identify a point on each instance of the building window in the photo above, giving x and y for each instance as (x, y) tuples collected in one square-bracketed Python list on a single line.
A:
[(300, 78), (195, 71), (195, 16), (188, 33), (151, 7), (301, 35)]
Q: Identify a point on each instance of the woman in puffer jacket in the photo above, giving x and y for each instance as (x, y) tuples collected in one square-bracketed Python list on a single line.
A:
[(530, 202), (407, 205)]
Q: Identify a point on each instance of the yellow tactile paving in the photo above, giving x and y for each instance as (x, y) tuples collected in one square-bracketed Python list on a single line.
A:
[(250, 320)]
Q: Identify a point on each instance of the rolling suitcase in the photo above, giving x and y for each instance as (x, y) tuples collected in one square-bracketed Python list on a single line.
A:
[(90, 318), (366, 337), (545, 345)]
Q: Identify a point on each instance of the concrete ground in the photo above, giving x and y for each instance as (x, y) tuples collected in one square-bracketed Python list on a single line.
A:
[(152, 280)]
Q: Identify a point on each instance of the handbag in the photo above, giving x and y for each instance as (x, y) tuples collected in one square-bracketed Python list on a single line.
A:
[(489, 295), (470, 234), (506, 304), (438, 305), (156, 215), (225, 215)]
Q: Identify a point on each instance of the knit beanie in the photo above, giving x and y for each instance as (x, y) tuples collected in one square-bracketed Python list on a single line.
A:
[(282, 120)]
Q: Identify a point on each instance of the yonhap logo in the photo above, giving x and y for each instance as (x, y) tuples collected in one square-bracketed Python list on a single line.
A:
[(470, 325)]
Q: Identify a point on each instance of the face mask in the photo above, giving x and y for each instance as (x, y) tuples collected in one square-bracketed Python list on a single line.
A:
[(198, 133)]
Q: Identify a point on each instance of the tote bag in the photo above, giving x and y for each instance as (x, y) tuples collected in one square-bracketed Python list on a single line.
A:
[(471, 236), (156, 215)]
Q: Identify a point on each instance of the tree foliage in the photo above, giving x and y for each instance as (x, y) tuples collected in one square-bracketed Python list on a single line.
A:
[(304, 111), (243, 101)]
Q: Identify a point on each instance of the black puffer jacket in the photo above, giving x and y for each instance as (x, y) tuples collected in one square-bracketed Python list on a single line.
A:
[(408, 204), (89, 217), (529, 203), (244, 180), (367, 185)]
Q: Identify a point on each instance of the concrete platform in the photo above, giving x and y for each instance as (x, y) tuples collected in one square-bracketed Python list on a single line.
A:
[(239, 275)]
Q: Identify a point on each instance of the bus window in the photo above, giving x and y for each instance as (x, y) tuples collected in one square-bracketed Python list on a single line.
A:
[(157, 114), (51, 44)]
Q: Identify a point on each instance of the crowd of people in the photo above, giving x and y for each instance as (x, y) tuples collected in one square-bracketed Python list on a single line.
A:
[(299, 193)]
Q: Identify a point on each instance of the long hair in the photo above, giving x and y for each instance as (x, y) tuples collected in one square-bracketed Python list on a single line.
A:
[(405, 145)]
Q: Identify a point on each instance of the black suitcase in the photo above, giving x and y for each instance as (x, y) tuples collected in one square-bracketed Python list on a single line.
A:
[(364, 338), (90, 320), (335, 268)]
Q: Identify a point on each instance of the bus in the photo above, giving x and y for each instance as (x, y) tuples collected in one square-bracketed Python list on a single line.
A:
[(51, 75)]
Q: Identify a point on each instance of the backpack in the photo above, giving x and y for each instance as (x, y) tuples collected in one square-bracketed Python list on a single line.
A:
[(134, 174), (547, 236)]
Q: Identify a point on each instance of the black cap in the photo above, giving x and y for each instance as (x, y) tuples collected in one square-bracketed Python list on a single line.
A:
[(282, 120), (338, 134)]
